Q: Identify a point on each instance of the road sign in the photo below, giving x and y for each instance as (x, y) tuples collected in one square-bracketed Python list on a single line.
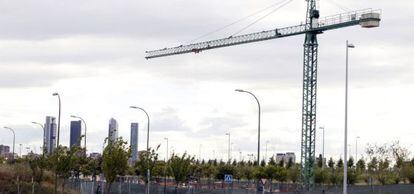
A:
[(228, 178)]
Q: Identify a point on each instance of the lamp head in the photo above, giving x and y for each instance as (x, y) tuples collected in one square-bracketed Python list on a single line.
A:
[(133, 107), (73, 116), (351, 45), (239, 90), (55, 94)]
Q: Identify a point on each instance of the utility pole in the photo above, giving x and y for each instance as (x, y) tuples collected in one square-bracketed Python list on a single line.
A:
[(345, 181), (323, 146), (228, 149)]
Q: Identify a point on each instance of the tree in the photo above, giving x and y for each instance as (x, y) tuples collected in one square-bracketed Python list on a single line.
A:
[(115, 161), (320, 161), (263, 163), (400, 156), (380, 163), (38, 165), (340, 163), (290, 163), (272, 161), (180, 167), (331, 163), (147, 160), (259, 173), (64, 161), (321, 175), (360, 166), (351, 162), (271, 173), (247, 173), (293, 173)]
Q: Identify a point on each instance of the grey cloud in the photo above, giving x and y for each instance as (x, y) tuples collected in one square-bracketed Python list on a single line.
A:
[(214, 126), (23, 77), (168, 120)]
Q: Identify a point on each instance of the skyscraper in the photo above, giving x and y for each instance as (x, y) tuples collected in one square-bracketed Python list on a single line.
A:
[(50, 134), (75, 133), (134, 142), (113, 129)]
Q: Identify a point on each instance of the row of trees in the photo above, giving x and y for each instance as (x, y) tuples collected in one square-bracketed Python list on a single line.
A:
[(385, 164)]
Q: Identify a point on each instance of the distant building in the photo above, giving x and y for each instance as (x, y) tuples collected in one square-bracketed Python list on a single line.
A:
[(113, 129), (285, 158), (134, 143), (75, 133), (50, 134), (95, 155), (4, 150)]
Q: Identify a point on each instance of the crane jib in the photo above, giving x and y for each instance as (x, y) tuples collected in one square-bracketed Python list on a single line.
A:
[(365, 18)]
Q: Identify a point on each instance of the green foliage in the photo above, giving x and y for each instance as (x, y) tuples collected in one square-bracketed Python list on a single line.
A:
[(350, 162), (147, 160), (224, 169), (259, 173), (294, 173), (340, 163), (408, 173), (360, 166), (331, 163), (37, 165), (247, 172), (272, 161), (321, 176), (263, 163), (115, 160), (180, 167)]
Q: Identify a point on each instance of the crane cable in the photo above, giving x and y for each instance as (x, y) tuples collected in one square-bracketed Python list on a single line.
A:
[(257, 20), (239, 20), (343, 8)]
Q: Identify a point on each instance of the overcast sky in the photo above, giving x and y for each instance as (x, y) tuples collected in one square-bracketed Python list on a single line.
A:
[(92, 53)]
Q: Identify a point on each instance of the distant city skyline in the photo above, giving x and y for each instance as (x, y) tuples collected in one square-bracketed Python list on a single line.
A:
[(50, 134), (75, 133), (92, 54), (134, 141), (112, 130)]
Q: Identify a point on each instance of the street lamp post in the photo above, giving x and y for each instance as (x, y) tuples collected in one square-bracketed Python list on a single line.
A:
[(356, 149), (84, 123), (58, 135), (323, 145), (44, 142), (58, 128), (165, 169), (148, 128), (345, 181), (258, 128), (267, 142), (228, 149), (14, 138)]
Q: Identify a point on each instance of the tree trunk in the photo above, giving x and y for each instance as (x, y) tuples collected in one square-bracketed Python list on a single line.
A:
[(108, 188), (63, 186)]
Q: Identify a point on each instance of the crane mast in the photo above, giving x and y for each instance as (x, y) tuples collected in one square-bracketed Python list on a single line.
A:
[(310, 67), (313, 26)]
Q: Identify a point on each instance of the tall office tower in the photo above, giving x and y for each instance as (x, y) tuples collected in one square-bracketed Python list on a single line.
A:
[(50, 134), (134, 142), (75, 133), (113, 129)]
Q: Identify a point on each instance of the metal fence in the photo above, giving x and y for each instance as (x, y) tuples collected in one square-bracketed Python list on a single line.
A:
[(89, 187)]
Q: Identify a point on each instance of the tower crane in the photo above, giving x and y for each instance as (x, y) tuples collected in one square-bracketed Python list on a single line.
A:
[(314, 25)]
